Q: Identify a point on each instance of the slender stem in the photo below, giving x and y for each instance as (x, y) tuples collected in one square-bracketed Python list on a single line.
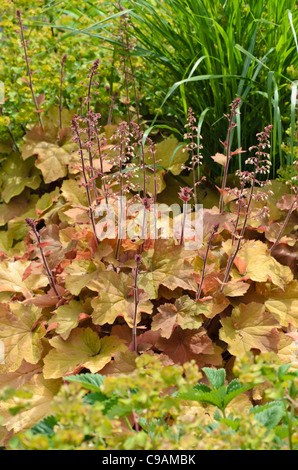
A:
[(93, 71), (224, 180), (144, 225), (13, 139), (238, 213), (32, 225), (234, 236), (155, 192), (28, 69), (232, 258), (89, 125), (247, 213), (92, 173), (199, 291), (112, 105), (289, 423), (136, 302), (134, 414), (183, 222), (284, 224), (193, 170), (121, 195), (101, 164), (132, 78), (91, 214), (234, 107), (144, 169)]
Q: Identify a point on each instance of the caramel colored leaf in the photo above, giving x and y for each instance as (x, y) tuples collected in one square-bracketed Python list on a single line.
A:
[(52, 161), (284, 304), (83, 348), (79, 273), (288, 350), (285, 203), (74, 193), (236, 289), (67, 317), (39, 405), (260, 265), (167, 264), (116, 298), (21, 376), (249, 327), (186, 345), (220, 158), (186, 313), (16, 175), (123, 363), (11, 278), (21, 335)]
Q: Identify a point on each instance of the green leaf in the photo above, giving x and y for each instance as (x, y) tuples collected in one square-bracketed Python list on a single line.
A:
[(202, 388), (119, 410), (282, 370), (216, 377), (92, 382), (269, 415), (95, 397), (231, 423), (215, 397), (45, 427)]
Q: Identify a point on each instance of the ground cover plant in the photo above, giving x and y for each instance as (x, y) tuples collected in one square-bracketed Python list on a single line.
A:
[(169, 411), (112, 273)]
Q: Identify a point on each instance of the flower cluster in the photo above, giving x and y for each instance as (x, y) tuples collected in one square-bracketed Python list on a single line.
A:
[(261, 159), (234, 106), (193, 136), (185, 194)]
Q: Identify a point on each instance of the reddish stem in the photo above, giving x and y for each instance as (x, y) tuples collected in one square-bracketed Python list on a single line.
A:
[(199, 291), (28, 69), (32, 225)]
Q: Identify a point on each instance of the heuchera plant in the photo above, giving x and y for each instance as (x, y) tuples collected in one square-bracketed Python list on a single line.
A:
[(75, 300)]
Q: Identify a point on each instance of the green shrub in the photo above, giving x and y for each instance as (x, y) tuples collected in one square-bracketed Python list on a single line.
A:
[(164, 407), (214, 51)]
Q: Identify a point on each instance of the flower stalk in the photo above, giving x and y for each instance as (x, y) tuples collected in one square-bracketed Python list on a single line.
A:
[(29, 73), (212, 235), (77, 139), (138, 259), (290, 211), (32, 224), (234, 105), (261, 163)]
